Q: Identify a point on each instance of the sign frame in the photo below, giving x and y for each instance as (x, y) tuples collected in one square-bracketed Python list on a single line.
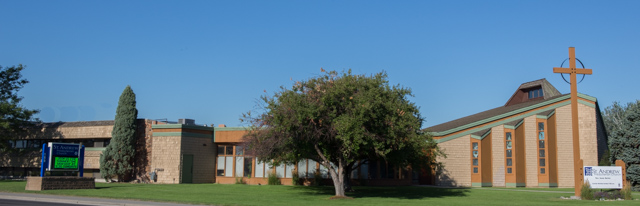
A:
[(51, 150), (604, 177)]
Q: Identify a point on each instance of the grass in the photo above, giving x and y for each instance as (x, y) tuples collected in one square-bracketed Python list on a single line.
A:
[(301, 195)]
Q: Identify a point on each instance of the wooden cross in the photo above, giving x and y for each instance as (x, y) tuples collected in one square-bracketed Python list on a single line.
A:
[(573, 72)]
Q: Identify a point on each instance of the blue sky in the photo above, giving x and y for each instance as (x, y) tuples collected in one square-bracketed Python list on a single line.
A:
[(211, 60)]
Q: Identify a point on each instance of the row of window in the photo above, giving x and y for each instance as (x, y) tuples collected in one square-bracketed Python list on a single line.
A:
[(230, 154), (541, 150), (37, 143)]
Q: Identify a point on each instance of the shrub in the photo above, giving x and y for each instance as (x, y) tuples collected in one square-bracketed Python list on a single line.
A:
[(317, 179), (240, 181), (626, 191), (273, 179), (295, 178), (587, 193)]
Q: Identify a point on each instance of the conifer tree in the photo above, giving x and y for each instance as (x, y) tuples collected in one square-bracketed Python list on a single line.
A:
[(624, 138), (118, 158)]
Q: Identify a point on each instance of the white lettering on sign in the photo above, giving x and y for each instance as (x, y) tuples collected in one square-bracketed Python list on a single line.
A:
[(603, 177)]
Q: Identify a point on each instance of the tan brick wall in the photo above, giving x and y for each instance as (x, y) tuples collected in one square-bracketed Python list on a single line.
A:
[(497, 150), (588, 135), (531, 151), (166, 157), (86, 132), (204, 158), (565, 146), (92, 159), (457, 165)]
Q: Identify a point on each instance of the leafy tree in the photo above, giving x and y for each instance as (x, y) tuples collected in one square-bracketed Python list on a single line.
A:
[(13, 116), (623, 127), (338, 119), (118, 158)]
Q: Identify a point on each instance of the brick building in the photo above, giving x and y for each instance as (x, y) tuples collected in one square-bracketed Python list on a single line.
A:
[(527, 142)]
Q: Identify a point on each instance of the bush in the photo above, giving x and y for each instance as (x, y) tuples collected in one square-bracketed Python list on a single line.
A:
[(273, 179), (295, 178), (317, 179), (626, 191), (240, 181), (587, 193)]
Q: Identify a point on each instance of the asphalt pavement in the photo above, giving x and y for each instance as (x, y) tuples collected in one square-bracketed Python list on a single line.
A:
[(54, 200)]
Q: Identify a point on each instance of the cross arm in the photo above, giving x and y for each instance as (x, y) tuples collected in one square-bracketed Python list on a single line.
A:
[(569, 70)]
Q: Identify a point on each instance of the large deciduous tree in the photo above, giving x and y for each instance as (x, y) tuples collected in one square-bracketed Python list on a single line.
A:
[(338, 119), (623, 127), (13, 116), (118, 158)]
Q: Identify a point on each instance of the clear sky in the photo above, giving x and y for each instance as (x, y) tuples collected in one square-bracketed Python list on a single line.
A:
[(211, 60)]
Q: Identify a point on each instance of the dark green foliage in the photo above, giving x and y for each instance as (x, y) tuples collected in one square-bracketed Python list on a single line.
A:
[(338, 119), (116, 161), (273, 179), (606, 159), (295, 178), (623, 127), (13, 117)]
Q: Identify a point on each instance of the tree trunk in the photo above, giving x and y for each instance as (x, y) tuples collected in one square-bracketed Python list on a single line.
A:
[(338, 178), (347, 179)]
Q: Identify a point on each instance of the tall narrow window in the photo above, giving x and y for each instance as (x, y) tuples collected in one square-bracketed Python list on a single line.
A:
[(541, 148), (509, 152), (474, 156)]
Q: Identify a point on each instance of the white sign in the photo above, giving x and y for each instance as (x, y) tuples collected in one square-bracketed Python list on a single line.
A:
[(603, 177)]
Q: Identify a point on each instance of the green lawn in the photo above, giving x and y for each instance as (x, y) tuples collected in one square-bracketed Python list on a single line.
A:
[(298, 195)]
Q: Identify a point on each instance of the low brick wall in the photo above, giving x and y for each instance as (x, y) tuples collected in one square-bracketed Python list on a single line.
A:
[(60, 183)]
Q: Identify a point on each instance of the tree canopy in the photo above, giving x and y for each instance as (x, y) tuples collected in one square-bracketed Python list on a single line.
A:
[(623, 126), (338, 119), (118, 158), (13, 116)]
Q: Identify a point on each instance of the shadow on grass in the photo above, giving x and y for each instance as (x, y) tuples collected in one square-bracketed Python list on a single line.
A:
[(401, 192)]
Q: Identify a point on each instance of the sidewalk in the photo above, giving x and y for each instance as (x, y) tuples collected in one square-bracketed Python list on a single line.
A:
[(72, 200)]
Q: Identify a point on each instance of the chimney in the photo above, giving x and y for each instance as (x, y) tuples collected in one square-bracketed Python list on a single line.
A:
[(222, 125)]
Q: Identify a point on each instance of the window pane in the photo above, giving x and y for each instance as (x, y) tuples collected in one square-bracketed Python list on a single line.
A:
[(364, 171), (509, 171), (541, 136), (220, 150), (247, 167), (259, 168), (475, 170), (475, 154), (220, 166), (312, 166), (475, 146), (541, 144), (239, 166), (508, 153), (508, 135), (509, 162), (229, 150), (268, 168), (541, 126), (542, 171), (542, 163), (324, 172), (475, 162), (239, 151), (302, 168), (541, 153), (228, 166), (280, 171), (509, 145), (289, 171)]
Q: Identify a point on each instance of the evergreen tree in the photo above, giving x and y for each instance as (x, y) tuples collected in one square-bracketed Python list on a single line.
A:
[(624, 138), (118, 158)]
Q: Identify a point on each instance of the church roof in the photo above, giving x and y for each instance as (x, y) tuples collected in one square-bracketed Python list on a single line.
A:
[(520, 102)]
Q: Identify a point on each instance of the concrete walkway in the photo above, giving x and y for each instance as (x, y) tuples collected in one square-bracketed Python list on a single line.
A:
[(71, 200)]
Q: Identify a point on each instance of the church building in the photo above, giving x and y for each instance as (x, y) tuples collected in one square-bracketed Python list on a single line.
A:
[(527, 142)]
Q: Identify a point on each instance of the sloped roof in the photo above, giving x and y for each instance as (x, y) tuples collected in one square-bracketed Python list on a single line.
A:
[(548, 90), (486, 114)]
